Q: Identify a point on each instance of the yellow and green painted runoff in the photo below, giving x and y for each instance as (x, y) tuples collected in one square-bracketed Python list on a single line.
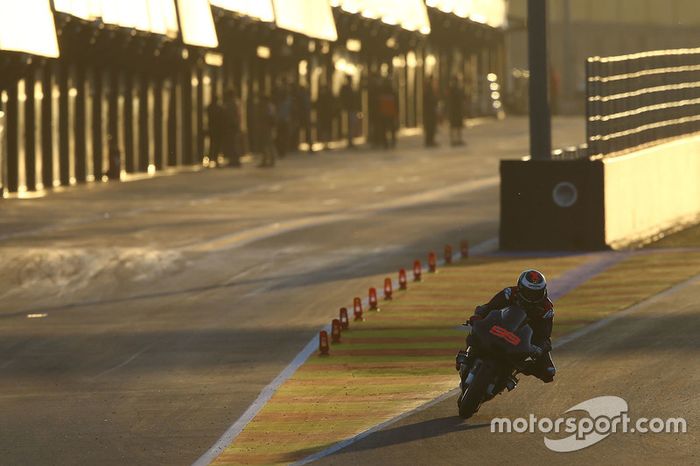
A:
[(403, 356)]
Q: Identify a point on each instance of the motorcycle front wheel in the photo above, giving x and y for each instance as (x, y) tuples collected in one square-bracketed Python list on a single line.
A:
[(471, 398)]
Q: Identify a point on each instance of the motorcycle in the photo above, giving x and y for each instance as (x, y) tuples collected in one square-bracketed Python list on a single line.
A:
[(500, 348)]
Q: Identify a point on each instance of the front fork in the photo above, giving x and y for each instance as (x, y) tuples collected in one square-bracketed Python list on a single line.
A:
[(467, 372), (504, 382)]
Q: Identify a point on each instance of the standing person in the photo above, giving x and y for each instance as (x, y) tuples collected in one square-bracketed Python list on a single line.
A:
[(232, 128), (373, 116), (455, 108), (430, 109), (114, 169), (349, 101), (325, 111), (302, 109), (294, 118), (215, 114), (388, 114), (267, 125), (252, 106), (284, 115)]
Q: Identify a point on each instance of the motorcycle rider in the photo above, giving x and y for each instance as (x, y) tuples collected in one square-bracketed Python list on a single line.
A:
[(530, 293)]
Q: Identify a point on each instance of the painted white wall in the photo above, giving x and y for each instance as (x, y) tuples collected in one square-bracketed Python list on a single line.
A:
[(651, 191)]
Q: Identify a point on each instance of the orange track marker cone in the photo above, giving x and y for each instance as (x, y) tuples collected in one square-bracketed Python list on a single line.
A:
[(335, 331), (323, 347), (464, 248), (344, 321), (432, 262), (388, 289), (357, 309), (448, 254), (403, 283), (417, 271), (373, 304)]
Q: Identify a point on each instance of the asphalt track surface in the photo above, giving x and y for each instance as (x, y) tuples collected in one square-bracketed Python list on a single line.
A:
[(647, 357), (159, 309)]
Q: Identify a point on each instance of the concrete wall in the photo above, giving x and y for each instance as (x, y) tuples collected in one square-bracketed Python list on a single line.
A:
[(531, 218), (651, 191), (620, 201)]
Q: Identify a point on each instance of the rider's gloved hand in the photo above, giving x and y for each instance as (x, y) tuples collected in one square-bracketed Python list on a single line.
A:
[(473, 319)]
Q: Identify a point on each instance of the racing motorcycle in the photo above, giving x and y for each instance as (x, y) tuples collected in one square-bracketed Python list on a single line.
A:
[(501, 348)]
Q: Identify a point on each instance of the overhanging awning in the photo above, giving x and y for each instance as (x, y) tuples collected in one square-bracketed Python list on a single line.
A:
[(155, 16), (491, 12), (28, 26), (258, 9), (409, 14), (313, 18), (197, 23)]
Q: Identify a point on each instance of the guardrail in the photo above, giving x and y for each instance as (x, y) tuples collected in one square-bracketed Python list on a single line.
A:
[(571, 153), (637, 100)]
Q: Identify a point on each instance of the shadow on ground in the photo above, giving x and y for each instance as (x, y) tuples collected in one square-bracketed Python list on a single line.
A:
[(418, 431)]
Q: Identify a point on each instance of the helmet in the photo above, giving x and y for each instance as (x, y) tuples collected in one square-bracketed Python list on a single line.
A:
[(532, 287)]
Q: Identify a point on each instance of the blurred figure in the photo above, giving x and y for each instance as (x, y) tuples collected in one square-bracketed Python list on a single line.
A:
[(349, 100), (283, 104), (215, 113), (267, 124), (373, 116), (302, 114), (325, 111), (455, 109), (430, 112), (113, 172), (252, 104), (232, 128), (388, 114), (294, 118)]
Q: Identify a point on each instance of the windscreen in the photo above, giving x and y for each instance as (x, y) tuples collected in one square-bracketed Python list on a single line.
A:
[(512, 318)]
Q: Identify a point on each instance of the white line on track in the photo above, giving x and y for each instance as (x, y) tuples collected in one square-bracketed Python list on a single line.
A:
[(264, 396)]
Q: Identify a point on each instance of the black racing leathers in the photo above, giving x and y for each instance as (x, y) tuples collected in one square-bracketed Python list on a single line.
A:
[(541, 320)]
